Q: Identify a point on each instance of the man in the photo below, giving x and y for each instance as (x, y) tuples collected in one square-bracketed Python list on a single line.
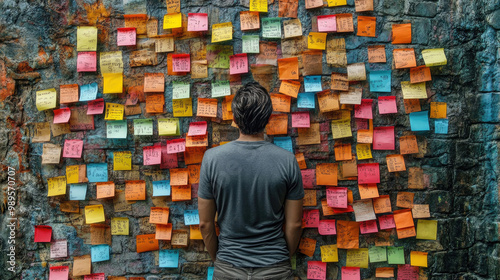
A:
[(255, 187)]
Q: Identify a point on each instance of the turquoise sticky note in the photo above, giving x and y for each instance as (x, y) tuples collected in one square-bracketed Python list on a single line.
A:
[(271, 28), (161, 188), (380, 81), (220, 88), (377, 254), (169, 258), (395, 255), (116, 129), (284, 142), (306, 100), (312, 83), (88, 92), (97, 172), (441, 126), (210, 273), (250, 44), (77, 191), (191, 217), (99, 253), (419, 121)]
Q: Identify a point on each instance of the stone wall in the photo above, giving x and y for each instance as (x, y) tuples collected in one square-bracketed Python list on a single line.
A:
[(38, 51)]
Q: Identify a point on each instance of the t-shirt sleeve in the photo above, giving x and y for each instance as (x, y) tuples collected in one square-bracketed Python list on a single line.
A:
[(205, 189), (295, 188)]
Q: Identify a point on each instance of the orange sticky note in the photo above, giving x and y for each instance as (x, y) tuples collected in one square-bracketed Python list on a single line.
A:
[(181, 193), (345, 23), (301, 160), (309, 135), (281, 103), (159, 215), (342, 151), (406, 232), (197, 141), (307, 246), (401, 33), (163, 232), (135, 190), (179, 176), (68, 93), (438, 110), (195, 233), (310, 198), (288, 68), (327, 210), (382, 204), (249, 20), (363, 5), (146, 243), (384, 272), (412, 105), (368, 191), (347, 235), (105, 189), (403, 218), (194, 173), (367, 26), (277, 125), (408, 145), (290, 88), (155, 103), (326, 174), (420, 74), (405, 199), (207, 107), (194, 155), (404, 58), (376, 54), (395, 163), (154, 82), (328, 101), (339, 82)]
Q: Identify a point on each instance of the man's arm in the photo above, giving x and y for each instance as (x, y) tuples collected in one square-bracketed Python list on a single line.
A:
[(206, 210), (293, 224)]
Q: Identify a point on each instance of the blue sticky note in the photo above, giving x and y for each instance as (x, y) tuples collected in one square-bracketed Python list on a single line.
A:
[(169, 258), (161, 188), (284, 142), (441, 126), (312, 83), (88, 92), (99, 253), (380, 81), (306, 100), (419, 121), (191, 217), (210, 273), (77, 191), (97, 172)]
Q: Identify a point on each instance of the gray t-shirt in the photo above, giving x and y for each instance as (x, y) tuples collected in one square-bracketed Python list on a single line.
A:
[(250, 182)]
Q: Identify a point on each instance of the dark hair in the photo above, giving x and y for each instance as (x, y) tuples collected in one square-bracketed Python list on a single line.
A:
[(252, 108)]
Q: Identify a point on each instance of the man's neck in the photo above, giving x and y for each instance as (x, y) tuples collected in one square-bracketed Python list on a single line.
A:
[(254, 137)]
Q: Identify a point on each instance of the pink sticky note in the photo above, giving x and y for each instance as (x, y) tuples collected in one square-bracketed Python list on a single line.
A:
[(151, 155), (316, 270), (73, 148), (238, 63), (59, 249), (59, 273), (364, 110), (126, 36), (181, 62), (383, 138), (62, 115), (310, 218), (387, 105), (86, 62), (351, 273), (43, 233), (327, 23), (197, 128), (168, 160), (96, 107), (336, 197), (308, 178), (95, 276), (368, 227), (361, 124), (176, 146), (197, 22), (386, 222), (327, 227), (407, 272), (301, 119), (368, 173)]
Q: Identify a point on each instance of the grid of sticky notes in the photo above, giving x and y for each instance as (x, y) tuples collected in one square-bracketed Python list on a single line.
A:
[(335, 114)]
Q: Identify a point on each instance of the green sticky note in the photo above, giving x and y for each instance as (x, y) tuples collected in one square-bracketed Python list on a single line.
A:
[(427, 229), (271, 28), (396, 255), (143, 127), (180, 90), (218, 56), (116, 129), (377, 254), (250, 44), (293, 261), (220, 88)]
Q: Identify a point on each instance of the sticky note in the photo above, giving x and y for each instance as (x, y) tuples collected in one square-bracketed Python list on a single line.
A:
[(161, 188), (135, 190), (356, 72), (434, 57), (43, 233), (419, 121), (143, 127), (59, 273), (363, 210), (336, 197), (113, 83), (316, 270), (395, 255), (386, 222), (312, 83), (418, 258), (159, 215), (327, 23), (181, 62), (368, 173), (169, 258), (258, 6), (334, 3), (413, 91), (368, 191), (284, 142), (222, 32), (350, 273), (238, 64), (329, 253), (384, 272), (77, 191), (383, 138), (292, 28), (151, 155), (94, 214), (364, 110), (327, 227), (401, 33), (172, 20), (249, 20), (197, 22), (176, 145), (395, 163), (88, 92), (310, 4), (191, 217), (126, 36), (207, 107), (427, 229), (250, 44), (363, 151), (380, 81), (146, 243), (377, 254), (86, 38), (81, 265), (119, 226), (46, 99), (288, 68), (180, 90), (218, 55), (111, 62), (441, 126), (437, 111), (59, 249), (168, 127), (86, 62), (367, 26), (363, 5), (56, 186), (95, 107), (97, 172), (376, 54), (99, 253), (420, 210), (290, 88), (347, 234), (301, 119), (164, 44), (277, 125), (404, 58), (271, 28), (341, 128), (306, 100), (316, 41), (357, 258), (116, 129), (387, 105), (220, 88), (344, 23), (420, 74)]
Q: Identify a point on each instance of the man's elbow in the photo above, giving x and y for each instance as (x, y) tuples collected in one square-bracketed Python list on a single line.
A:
[(295, 225), (206, 226)]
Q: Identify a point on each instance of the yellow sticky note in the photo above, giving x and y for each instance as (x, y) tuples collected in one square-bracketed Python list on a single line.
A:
[(56, 185), (168, 127), (418, 258), (341, 128), (413, 91), (329, 253), (183, 107), (119, 226), (427, 229), (172, 21), (333, 3), (72, 174), (113, 83), (111, 62), (434, 57), (122, 160), (86, 38), (94, 214), (46, 99), (316, 41), (114, 111), (438, 110), (357, 258), (222, 32), (195, 232), (258, 6), (363, 151)]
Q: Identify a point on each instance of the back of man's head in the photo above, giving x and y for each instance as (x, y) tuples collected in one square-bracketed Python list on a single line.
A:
[(252, 108)]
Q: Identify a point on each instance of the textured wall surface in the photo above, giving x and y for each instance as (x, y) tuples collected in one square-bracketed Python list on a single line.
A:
[(38, 51)]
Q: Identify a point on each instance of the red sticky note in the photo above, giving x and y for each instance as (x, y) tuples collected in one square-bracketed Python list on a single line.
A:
[(43, 233), (368, 173), (301, 119), (407, 272), (62, 115), (176, 146), (327, 23), (316, 270), (351, 273), (95, 276), (96, 107), (197, 22), (86, 62), (386, 222), (336, 197), (368, 227), (364, 110), (168, 160), (308, 178), (151, 155), (238, 64), (327, 227), (181, 62), (197, 128), (310, 218), (73, 148), (361, 124), (383, 138), (59, 273), (387, 105), (126, 36)]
